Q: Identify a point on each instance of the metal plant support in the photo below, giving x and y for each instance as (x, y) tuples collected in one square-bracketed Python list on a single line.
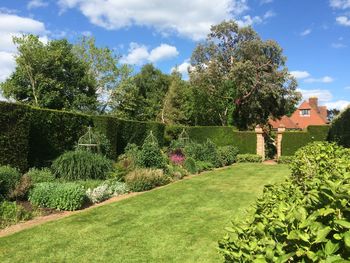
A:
[(89, 142), (184, 137)]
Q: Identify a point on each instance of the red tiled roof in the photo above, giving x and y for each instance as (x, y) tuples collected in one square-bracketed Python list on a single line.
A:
[(285, 121)]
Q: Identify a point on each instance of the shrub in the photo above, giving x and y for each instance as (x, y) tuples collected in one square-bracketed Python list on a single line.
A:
[(40, 175), (145, 179), (116, 187), (227, 155), (319, 158), (11, 213), (285, 159), (150, 155), (206, 152), (249, 158), (106, 190), (176, 172), (204, 166), (340, 129), (190, 165), (61, 196), (9, 178), (298, 222), (195, 151), (83, 165), (177, 158), (22, 188)]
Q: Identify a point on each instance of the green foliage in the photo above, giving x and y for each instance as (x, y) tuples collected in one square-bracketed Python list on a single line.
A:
[(41, 76), (251, 79), (204, 166), (285, 159), (190, 165), (206, 152), (40, 175), (227, 155), (81, 165), (61, 196), (9, 178), (11, 213), (176, 172), (14, 144), (150, 155), (106, 190), (249, 158), (20, 192), (145, 179), (319, 158), (293, 140), (304, 219), (340, 129)]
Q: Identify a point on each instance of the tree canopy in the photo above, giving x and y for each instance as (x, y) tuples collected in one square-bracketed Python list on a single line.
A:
[(50, 76), (241, 78)]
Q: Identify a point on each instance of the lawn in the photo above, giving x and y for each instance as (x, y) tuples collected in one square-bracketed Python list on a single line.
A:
[(180, 222)]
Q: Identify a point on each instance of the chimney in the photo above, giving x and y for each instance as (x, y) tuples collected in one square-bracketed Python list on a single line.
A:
[(313, 101)]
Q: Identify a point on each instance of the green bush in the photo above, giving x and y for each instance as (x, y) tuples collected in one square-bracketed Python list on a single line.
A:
[(81, 165), (227, 155), (9, 178), (60, 196), (11, 213), (206, 152), (204, 166), (176, 172), (190, 165), (340, 129), (20, 192), (298, 221), (150, 155), (40, 175), (249, 158), (285, 159), (106, 190), (145, 179), (319, 158)]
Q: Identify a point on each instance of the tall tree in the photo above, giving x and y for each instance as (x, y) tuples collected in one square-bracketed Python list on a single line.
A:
[(104, 67), (243, 76), (144, 92), (50, 76), (178, 102)]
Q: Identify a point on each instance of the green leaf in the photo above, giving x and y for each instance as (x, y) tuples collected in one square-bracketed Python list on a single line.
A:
[(311, 255), (347, 239), (343, 223), (322, 234), (331, 248)]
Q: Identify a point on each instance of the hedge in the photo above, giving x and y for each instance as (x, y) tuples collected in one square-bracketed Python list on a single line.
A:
[(34, 137), (14, 132), (293, 140), (340, 129), (245, 141)]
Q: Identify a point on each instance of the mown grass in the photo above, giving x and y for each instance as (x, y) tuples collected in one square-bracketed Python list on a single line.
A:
[(181, 222)]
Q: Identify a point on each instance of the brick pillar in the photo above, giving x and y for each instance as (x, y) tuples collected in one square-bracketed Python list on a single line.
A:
[(280, 132), (260, 142)]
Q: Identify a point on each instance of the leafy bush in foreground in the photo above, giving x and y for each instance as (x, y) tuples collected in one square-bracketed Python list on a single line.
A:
[(304, 220), (145, 179), (61, 196), (11, 213), (285, 159), (9, 178), (249, 158), (76, 165)]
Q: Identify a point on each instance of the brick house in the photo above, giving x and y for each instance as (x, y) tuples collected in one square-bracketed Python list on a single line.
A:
[(308, 113)]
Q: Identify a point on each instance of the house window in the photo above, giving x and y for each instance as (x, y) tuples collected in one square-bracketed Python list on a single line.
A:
[(305, 112)]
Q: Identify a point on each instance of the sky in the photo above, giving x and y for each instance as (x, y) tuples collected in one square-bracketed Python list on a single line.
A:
[(314, 34)]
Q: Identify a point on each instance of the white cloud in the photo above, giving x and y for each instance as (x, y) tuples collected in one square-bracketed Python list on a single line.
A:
[(249, 21), (36, 4), (306, 32), (263, 2), (183, 68), (321, 94), (338, 45), (325, 79), (339, 104), (190, 19), (340, 4), (269, 14), (343, 20), (300, 74), (140, 54), (14, 25)]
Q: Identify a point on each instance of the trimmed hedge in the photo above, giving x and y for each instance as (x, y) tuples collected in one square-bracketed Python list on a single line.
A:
[(293, 140), (14, 132), (340, 129), (34, 137), (245, 141)]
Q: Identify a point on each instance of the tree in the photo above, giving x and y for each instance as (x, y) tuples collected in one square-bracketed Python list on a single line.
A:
[(178, 102), (332, 113), (242, 77), (104, 67), (141, 97), (50, 76)]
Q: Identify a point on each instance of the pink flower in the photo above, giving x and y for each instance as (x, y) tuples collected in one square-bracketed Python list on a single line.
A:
[(177, 159)]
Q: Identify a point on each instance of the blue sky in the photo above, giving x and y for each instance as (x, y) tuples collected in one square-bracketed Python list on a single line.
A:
[(314, 34)]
